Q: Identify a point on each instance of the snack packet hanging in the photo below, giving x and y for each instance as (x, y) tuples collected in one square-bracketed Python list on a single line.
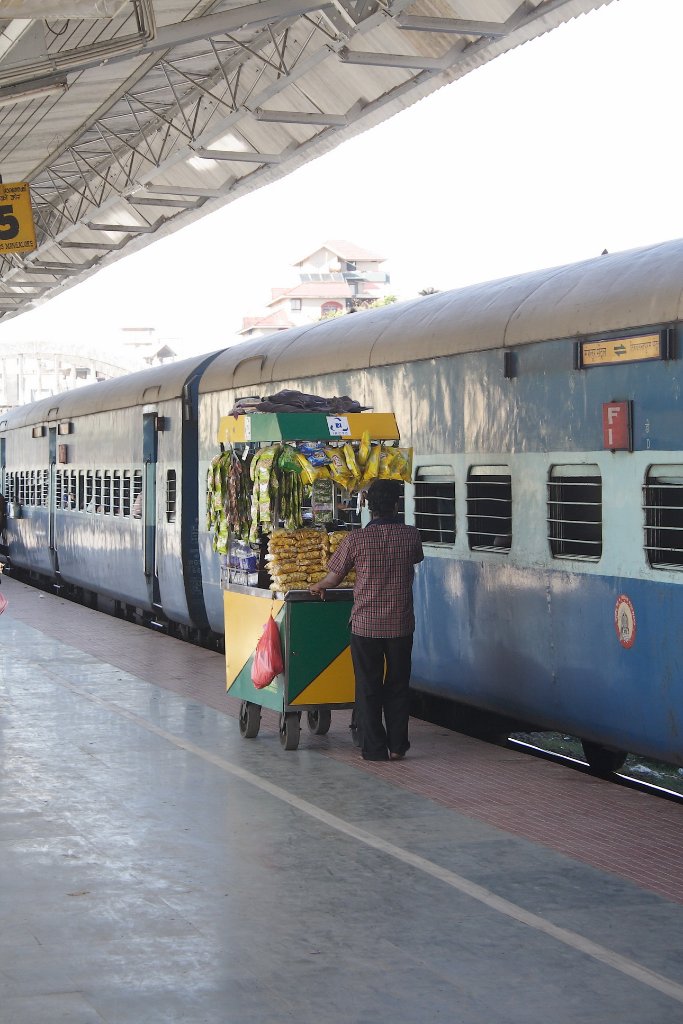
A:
[(288, 460), (363, 449), (338, 468), (309, 472), (315, 453), (371, 468), (352, 465), (396, 464)]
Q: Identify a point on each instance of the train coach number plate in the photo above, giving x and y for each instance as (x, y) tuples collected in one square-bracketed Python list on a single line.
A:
[(625, 621)]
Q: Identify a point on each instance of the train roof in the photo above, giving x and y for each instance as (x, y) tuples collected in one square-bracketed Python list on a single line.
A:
[(620, 291), (146, 387), (611, 292)]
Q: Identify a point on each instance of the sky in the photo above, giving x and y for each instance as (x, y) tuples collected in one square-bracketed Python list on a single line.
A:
[(550, 154)]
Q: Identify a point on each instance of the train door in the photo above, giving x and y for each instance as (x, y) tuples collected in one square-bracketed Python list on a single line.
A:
[(52, 497), (149, 507), (3, 493)]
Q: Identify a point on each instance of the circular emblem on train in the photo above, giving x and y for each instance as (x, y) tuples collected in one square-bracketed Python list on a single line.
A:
[(625, 621)]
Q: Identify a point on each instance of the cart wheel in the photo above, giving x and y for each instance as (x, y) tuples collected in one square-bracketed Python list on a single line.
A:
[(250, 719), (290, 730), (319, 721)]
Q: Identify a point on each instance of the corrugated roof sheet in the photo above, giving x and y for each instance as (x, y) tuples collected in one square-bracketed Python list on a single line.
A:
[(166, 111)]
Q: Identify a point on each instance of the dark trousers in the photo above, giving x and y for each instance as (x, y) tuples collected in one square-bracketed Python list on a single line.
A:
[(381, 666)]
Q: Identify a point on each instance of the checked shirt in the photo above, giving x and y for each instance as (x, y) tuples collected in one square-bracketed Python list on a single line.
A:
[(383, 555)]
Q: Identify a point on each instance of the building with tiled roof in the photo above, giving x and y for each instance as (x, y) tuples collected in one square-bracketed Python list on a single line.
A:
[(333, 279), (343, 251)]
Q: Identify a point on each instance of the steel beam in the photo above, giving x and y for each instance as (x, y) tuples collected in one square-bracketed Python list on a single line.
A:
[(230, 21), (239, 156), (180, 204), (137, 229), (453, 26), (53, 273), (299, 117), (183, 190), (46, 266), (391, 60), (107, 246)]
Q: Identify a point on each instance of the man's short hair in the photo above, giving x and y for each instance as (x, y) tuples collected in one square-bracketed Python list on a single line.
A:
[(383, 497)]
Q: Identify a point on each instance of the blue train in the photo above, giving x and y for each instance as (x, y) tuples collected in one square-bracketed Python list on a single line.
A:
[(545, 413)]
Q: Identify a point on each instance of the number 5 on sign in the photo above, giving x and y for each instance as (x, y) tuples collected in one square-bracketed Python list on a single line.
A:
[(17, 232)]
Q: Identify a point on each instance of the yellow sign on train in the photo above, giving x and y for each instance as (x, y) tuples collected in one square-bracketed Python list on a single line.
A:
[(17, 230), (621, 350)]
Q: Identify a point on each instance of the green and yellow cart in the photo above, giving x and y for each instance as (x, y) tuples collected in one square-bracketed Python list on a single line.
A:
[(318, 673), (315, 635)]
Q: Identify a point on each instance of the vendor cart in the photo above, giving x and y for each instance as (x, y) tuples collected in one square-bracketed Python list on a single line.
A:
[(314, 634)]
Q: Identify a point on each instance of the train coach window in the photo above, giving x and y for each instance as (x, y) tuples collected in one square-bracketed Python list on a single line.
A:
[(489, 508), (68, 490), (89, 492), (106, 495), (170, 495), (663, 508), (116, 492), (125, 494), (575, 512), (435, 504), (98, 491), (136, 508)]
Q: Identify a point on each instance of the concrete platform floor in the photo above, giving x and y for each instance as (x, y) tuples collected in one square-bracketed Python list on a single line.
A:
[(156, 868)]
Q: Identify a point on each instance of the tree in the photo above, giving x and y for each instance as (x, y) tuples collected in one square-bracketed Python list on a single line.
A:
[(360, 305)]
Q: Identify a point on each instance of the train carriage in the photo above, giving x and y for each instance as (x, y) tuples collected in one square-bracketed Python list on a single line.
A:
[(551, 586), (545, 415), (101, 484)]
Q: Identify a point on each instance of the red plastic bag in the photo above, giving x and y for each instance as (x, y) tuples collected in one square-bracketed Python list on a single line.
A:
[(268, 657)]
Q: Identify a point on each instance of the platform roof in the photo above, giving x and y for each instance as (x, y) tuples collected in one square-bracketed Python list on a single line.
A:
[(133, 118)]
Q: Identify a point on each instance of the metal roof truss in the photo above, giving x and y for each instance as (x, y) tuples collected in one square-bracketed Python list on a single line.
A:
[(169, 109)]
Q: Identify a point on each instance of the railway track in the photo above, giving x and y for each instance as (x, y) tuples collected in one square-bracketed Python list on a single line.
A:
[(616, 778)]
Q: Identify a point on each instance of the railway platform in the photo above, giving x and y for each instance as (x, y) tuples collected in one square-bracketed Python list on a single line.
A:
[(157, 868)]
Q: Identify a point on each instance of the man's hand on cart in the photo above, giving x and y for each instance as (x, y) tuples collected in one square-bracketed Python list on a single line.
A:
[(328, 582)]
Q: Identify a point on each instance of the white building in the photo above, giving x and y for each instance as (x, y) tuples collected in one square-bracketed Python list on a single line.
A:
[(333, 279), (30, 370)]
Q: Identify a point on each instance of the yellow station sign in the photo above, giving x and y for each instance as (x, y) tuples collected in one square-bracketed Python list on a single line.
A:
[(621, 350), (17, 231)]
